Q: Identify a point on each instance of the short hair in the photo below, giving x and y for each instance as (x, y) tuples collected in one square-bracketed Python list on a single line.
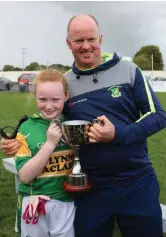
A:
[(50, 76), (92, 17)]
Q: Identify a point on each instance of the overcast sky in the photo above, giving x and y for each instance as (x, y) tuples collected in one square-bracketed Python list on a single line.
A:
[(40, 27)]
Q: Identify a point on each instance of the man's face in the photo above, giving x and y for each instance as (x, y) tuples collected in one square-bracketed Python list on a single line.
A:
[(85, 41), (50, 99)]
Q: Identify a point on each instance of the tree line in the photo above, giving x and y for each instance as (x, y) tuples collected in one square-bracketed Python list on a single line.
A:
[(34, 66), (147, 58)]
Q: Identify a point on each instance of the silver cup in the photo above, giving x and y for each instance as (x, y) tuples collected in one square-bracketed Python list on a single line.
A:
[(74, 135)]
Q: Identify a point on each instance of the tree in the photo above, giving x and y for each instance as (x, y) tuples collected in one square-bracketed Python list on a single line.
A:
[(42, 67), (60, 67), (8, 68), (149, 56), (33, 67), (66, 68), (143, 61), (17, 69)]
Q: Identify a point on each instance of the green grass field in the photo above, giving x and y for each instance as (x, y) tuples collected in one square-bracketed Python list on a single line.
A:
[(12, 106)]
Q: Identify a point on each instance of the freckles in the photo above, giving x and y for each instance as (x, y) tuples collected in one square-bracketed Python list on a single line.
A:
[(39, 105)]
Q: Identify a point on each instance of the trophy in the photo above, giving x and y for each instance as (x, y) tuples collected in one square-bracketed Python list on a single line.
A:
[(74, 135)]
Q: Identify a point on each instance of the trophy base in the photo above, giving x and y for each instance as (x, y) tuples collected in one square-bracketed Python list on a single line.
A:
[(77, 183), (71, 188)]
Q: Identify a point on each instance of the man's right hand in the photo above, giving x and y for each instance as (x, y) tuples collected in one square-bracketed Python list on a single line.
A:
[(9, 146)]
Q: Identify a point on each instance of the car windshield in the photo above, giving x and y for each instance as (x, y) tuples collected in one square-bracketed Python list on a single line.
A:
[(27, 76), (32, 76)]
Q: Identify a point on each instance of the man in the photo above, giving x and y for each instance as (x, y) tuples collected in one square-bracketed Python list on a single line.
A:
[(125, 186)]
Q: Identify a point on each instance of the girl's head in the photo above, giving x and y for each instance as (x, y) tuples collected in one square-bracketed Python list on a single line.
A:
[(51, 92)]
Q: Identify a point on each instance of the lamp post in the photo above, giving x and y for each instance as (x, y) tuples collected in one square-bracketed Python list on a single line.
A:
[(152, 63), (23, 52)]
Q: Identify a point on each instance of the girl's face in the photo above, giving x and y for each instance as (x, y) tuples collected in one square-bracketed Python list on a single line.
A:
[(50, 99)]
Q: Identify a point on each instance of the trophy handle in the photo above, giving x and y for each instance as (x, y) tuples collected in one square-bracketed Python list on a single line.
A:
[(64, 137), (96, 121), (91, 124)]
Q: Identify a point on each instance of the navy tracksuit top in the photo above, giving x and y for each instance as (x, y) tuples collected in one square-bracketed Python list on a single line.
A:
[(118, 90)]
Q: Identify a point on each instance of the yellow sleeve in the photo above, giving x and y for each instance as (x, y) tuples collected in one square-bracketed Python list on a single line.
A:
[(24, 150), (23, 154)]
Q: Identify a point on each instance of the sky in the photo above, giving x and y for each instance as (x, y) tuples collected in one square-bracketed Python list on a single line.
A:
[(40, 28)]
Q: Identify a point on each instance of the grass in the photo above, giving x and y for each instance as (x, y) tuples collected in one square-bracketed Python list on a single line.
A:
[(12, 106)]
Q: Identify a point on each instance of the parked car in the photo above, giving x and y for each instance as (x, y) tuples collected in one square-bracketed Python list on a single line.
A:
[(5, 84), (159, 79), (25, 81)]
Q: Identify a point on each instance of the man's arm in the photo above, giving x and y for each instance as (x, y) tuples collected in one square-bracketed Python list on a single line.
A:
[(153, 115), (153, 118)]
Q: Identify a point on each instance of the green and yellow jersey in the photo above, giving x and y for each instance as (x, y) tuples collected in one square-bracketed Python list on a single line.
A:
[(32, 135)]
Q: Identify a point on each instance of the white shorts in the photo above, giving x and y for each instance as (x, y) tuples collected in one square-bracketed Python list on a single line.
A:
[(58, 221)]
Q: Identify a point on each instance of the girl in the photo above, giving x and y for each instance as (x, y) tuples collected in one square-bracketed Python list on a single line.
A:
[(43, 162)]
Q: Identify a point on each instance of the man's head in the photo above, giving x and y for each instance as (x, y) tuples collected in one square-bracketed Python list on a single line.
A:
[(84, 40)]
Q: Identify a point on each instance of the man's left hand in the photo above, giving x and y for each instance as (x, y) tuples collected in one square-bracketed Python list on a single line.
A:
[(104, 131)]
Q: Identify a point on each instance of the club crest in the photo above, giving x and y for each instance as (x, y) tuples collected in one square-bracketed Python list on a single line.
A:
[(115, 91)]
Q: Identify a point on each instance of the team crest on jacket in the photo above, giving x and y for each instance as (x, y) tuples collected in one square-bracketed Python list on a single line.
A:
[(115, 91)]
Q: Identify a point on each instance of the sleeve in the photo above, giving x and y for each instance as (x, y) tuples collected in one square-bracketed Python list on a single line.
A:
[(24, 153), (153, 115)]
